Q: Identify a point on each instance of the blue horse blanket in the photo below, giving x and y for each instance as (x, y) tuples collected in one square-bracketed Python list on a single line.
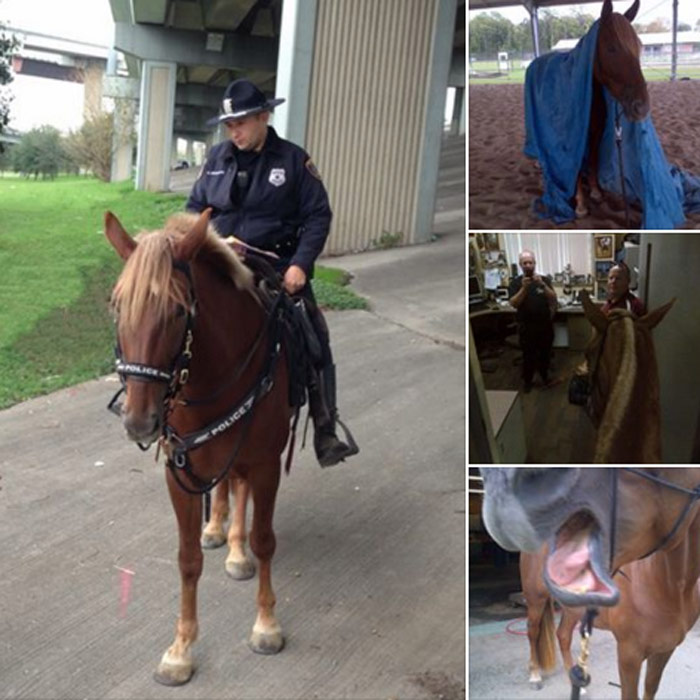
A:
[(558, 96)]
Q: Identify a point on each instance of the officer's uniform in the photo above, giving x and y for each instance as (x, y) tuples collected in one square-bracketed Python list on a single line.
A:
[(274, 200), (284, 207)]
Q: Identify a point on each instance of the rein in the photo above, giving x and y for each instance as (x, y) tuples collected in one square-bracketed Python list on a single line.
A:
[(176, 377)]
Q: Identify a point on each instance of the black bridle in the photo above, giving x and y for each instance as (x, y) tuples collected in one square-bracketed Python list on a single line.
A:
[(693, 496), (179, 446), (578, 675)]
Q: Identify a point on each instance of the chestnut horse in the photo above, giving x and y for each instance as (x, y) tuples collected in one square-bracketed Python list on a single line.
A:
[(195, 345), (649, 591), (617, 68), (624, 402), (641, 524)]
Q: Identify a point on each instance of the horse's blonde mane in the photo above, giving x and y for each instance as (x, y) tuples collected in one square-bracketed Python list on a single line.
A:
[(147, 281), (616, 407)]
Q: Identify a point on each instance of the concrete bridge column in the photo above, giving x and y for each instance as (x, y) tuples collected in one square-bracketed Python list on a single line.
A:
[(93, 72), (123, 139), (388, 66), (189, 153), (155, 129)]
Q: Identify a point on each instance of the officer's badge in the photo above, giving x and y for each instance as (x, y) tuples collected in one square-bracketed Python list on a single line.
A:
[(277, 177), (313, 169)]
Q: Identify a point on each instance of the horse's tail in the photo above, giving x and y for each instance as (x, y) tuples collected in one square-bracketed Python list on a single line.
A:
[(546, 641)]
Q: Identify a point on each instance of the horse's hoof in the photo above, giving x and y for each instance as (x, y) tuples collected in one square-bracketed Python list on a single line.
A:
[(173, 674), (596, 196), (266, 642), (581, 211), (536, 685), (240, 570), (213, 541)]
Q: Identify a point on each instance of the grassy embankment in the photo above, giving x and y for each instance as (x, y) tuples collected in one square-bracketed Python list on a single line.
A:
[(57, 274)]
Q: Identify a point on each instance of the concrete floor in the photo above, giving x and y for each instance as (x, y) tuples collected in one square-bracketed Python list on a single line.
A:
[(370, 565), (498, 652)]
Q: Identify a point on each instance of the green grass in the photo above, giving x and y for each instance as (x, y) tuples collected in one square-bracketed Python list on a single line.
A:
[(58, 271), (517, 75)]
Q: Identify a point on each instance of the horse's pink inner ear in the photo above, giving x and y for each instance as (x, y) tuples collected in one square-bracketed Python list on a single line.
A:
[(122, 242)]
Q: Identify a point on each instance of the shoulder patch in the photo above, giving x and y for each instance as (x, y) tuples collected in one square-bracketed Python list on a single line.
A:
[(313, 170)]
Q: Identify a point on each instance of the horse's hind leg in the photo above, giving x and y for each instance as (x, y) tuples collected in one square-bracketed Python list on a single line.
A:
[(213, 535), (266, 637), (238, 564), (581, 208), (176, 666), (656, 664), (565, 632)]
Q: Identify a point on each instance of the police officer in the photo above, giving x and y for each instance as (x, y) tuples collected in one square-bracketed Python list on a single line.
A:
[(267, 192)]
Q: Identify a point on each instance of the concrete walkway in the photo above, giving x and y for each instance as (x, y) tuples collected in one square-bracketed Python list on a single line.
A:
[(370, 564), (498, 666)]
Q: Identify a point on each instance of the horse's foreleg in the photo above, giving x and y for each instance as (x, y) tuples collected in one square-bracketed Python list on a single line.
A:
[(176, 666), (213, 535), (581, 208), (266, 637), (565, 632), (238, 564), (629, 664), (656, 664), (535, 613)]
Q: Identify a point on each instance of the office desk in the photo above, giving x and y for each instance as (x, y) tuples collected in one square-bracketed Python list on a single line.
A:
[(570, 318)]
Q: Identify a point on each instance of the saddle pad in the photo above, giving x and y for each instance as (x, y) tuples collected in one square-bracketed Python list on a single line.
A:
[(558, 95)]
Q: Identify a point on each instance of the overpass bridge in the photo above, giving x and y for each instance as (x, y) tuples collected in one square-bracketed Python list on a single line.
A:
[(365, 86)]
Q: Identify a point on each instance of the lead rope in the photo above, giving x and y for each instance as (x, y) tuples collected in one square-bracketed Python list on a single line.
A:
[(618, 141), (578, 675)]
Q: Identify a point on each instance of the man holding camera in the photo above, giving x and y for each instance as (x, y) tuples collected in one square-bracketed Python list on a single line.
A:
[(536, 303)]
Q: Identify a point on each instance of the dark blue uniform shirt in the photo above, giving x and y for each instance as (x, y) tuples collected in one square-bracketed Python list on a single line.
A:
[(284, 209)]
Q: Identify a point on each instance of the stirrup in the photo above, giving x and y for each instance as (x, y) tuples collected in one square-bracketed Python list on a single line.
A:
[(337, 451)]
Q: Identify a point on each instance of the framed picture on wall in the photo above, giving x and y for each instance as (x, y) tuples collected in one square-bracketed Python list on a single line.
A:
[(604, 246)]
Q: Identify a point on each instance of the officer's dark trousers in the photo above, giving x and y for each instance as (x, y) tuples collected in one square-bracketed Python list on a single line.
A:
[(320, 325), (536, 340)]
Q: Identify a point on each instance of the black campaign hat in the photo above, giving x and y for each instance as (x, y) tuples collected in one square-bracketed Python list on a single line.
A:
[(241, 99)]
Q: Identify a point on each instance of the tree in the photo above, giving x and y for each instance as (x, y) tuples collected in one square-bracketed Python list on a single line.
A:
[(39, 152), (8, 43), (90, 147), (683, 27)]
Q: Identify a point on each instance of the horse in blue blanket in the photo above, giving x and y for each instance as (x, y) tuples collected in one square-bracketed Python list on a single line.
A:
[(579, 106)]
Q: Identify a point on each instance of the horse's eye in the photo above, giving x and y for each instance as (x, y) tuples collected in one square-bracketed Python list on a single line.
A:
[(180, 311)]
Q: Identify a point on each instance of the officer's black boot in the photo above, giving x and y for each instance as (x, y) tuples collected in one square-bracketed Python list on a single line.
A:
[(329, 448)]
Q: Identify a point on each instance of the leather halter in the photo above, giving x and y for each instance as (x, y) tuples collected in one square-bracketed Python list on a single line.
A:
[(693, 497)]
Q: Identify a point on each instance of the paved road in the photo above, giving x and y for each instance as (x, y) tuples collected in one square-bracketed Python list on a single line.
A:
[(369, 571)]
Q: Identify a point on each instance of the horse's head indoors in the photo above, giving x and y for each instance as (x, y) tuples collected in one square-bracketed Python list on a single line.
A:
[(624, 383), (617, 65)]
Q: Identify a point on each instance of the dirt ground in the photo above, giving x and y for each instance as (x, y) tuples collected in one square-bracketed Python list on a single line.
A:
[(503, 182)]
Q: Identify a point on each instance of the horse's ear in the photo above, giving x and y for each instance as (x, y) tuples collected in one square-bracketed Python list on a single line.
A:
[(122, 242), (632, 11), (653, 318), (607, 9), (187, 247), (593, 313)]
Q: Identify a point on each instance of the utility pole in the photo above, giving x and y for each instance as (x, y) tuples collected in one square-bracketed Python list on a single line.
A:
[(674, 47)]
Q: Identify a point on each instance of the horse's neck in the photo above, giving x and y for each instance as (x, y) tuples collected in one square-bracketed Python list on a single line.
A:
[(228, 323), (679, 567)]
